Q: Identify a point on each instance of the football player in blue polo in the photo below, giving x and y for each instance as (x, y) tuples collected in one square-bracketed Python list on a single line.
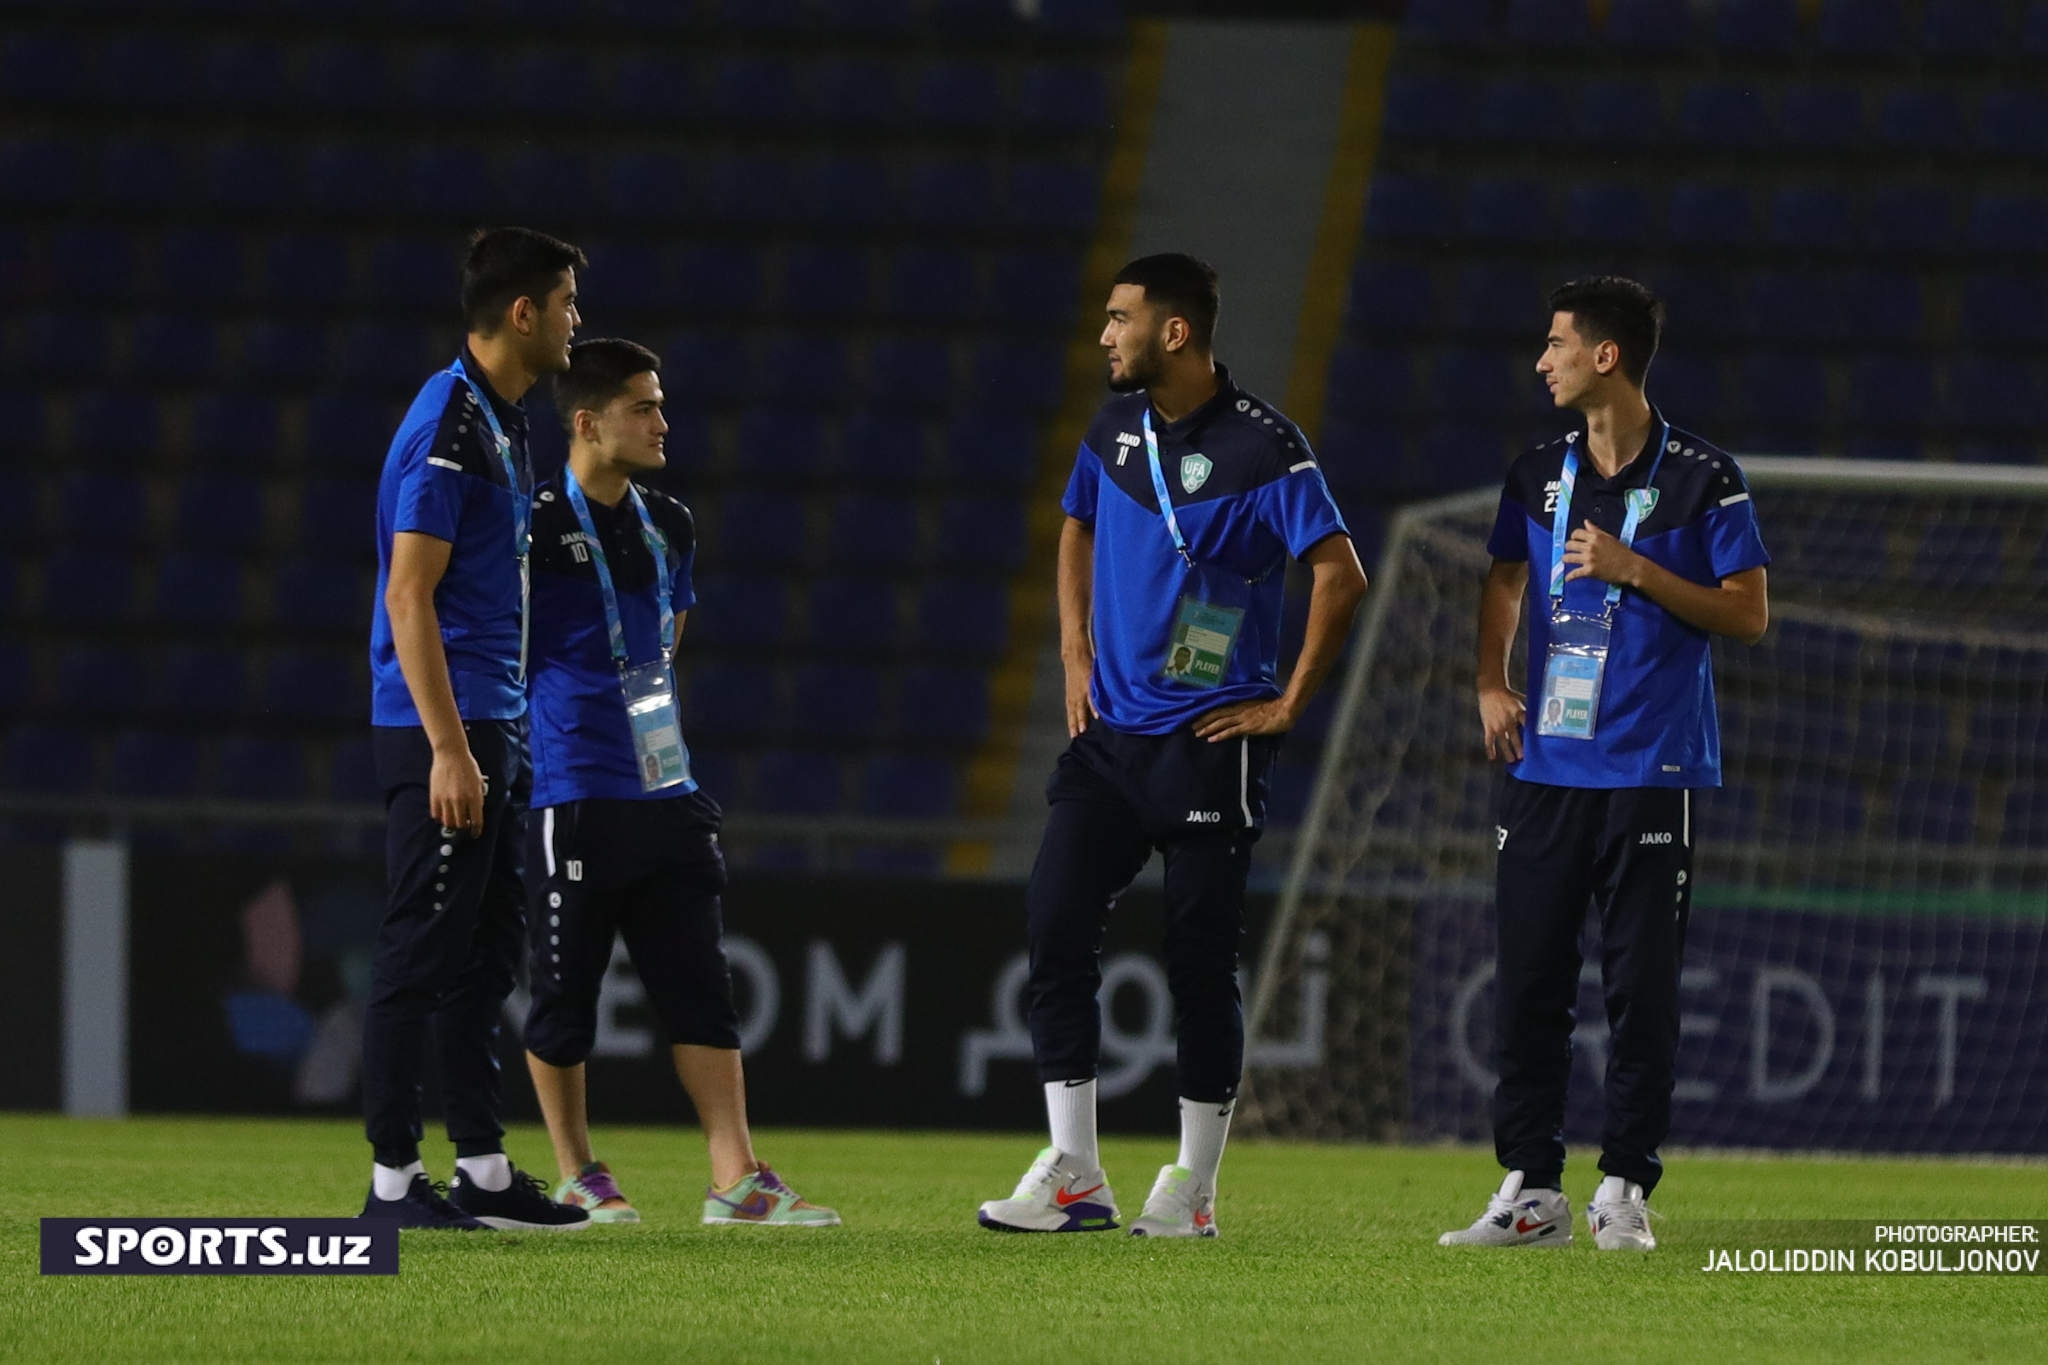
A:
[(1645, 544), (1187, 498)]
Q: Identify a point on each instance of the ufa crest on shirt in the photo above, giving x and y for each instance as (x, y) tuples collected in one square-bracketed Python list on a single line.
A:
[(1194, 472)]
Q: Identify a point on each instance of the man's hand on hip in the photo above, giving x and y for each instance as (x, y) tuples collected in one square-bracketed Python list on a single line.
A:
[(1246, 718)]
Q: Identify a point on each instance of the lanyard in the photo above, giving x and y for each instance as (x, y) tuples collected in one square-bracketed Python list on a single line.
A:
[(1638, 501), (1159, 488), (522, 504), (657, 545)]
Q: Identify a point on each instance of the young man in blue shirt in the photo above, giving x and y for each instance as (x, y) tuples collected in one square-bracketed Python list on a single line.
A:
[(1187, 497), (625, 842), (1645, 545), (448, 701)]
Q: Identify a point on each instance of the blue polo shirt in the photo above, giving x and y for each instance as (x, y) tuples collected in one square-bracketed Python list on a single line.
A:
[(582, 746), (1247, 493), (1656, 725), (443, 478)]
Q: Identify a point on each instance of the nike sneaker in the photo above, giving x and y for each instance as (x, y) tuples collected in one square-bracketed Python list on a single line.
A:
[(423, 1207), (1619, 1217), (762, 1200), (1515, 1218), (522, 1206), (593, 1190), (1053, 1197), (1175, 1208)]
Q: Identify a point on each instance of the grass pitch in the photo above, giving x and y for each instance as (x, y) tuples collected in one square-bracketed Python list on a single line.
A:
[(1327, 1254)]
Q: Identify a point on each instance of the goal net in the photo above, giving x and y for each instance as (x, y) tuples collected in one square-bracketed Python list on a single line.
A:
[(1863, 965)]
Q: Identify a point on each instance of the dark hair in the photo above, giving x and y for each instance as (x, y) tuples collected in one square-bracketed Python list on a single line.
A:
[(599, 370), (1181, 285), (504, 265), (1610, 308)]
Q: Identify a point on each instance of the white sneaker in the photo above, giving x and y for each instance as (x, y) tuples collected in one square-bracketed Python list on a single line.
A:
[(1175, 1208), (1619, 1217), (1541, 1218), (1054, 1197)]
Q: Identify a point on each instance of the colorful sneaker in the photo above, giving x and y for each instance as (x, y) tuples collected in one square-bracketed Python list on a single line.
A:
[(761, 1199), (1174, 1209), (1619, 1217), (1540, 1218), (522, 1206), (593, 1189), (422, 1207), (1053, 1197)]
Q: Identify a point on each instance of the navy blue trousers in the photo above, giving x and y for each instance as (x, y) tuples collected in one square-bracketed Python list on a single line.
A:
[(1627, 852), (448, 951), (1116, 798)]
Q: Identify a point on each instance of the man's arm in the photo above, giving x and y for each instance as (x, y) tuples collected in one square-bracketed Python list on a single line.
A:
[(1077, 606), (1333, 599), (455, 788), (1738, 606), (1500, 614)]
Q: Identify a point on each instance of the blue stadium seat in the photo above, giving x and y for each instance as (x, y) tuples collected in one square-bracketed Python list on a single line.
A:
[(797, 783), (1882, 306), (1391, 296), (1902, 734), (1897, 391), (240, 427), (1427, 108), (1035, 286), (545, 81), (851, 191), (996, 449), (982, 534), (453, 79), (1606, 212), (1910, 218), (2025, 823), (345, 76), (154, 765), (547, 183), (963, 616), (882, 450), (204, 682), (761, 528), (1812, 218), (836, 701), (24, 424), (857, 94), (1756, 27), (1784, 389), (979, 18), (1095, 18), (44, 171), (1793, 307), (720, 279), (947, 705), (2005, 221), (324, 594), (1995, 395), (741, 610), (1807, 810), (450, 181), (2034, 28), (45, 66), (300, 269), (876, 531), (1719, 115), (1450, 23), (1547, 25), (703, 368), (196, 265), (386, 355), (1054, 195), (756, 90), (827, 281), (763, 16), (906, 786), (732, 700), (141, 173), (1728, 815), (2007, 739), (352, 177), (173, 348), (1920, 120), (88, 589), (1688, 388), (1960, 555), (253, 769), (1453, 455), (51, 760), (1025, 377), (99, 680), (248, 176), (1848, 550), (874, 17), (350, 429), (402, 270), (1063, 98), (198, 590), (92, 263), (312, 684), (1862, 28), (1497, 299), (352, 772), (2013, 122), (951, 193), (752, 190), (808, 369), (1650, 26), (953, 94), (656, 87), (143, 69), (101, 510), (2004, 309), (1372, 380), (1971, 29), (1821, 118), (1709, 215), (911, 372), (659, 187), (851, 616), (933, 284), (1507, 210), (777, 444), (115, 425)]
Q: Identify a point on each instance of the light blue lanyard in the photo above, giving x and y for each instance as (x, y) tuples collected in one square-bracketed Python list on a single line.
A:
[(1638, 501), (657, 545), (522, 501), (1159, 488)]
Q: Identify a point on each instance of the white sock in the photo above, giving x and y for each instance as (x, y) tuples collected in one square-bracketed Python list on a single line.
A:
[(491, 1172), (1613, 1189), (1070, 1109), (1204, 1128), (391, 1182)]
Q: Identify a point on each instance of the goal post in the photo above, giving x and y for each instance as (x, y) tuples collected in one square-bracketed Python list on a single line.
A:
[(1864, 953)]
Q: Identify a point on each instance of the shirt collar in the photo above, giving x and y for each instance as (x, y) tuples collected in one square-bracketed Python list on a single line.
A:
[(1636, 471), (511, 415), (1226, 394)]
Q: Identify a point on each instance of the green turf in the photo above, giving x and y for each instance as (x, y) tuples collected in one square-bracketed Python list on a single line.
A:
[(1327, 1254)]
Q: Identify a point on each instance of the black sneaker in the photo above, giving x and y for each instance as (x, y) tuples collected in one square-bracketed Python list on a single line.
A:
[(422, 1207), (522, 1206)]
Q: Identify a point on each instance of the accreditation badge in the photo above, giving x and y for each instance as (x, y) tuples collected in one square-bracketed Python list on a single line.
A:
[(650, 692), (1572, 673), (1203, 634)]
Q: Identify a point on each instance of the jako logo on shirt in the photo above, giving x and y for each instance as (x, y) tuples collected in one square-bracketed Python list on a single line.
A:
[(1126, 442), (1194, 471), (1205, 817), (1663, 838)]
